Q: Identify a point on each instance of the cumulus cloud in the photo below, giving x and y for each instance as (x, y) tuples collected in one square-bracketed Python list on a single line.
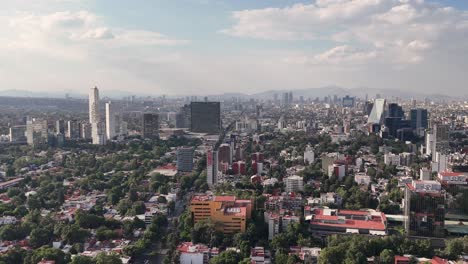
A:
[(397, 31)]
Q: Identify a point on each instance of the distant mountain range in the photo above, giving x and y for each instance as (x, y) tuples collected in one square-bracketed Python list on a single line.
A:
[(320, 92), (360, 92)]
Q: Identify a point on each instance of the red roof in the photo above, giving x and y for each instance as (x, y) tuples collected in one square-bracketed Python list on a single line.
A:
[(437, 260), (224, 198), (449, 173), (375, 222)]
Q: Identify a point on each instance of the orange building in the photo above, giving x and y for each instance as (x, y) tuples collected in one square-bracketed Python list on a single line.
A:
[(226, 212)]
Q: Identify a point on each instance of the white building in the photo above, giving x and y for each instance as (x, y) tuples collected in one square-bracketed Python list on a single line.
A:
[(95, 118), (424, 174), (309, 155), (392, 159), (195, 254), (110, 120), (294, 183), (362, 178)]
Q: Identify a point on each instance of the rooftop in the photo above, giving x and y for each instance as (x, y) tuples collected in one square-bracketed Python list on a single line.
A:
[(349, 219)]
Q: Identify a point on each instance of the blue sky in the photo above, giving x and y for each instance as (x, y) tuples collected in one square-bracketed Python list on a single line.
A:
[(214, 46)]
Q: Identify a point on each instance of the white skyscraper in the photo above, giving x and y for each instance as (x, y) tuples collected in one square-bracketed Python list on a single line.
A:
[(110, 121), (94, 105), (94, 117)]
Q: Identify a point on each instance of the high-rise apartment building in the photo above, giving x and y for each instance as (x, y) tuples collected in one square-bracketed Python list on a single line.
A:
[(205, 117), (95, 118), (150, 125), (73, 129), (212, 167), (18, 134), (85, 130), (110, 120), (60, 127), (224, 153), (185, 159), (37, 132)]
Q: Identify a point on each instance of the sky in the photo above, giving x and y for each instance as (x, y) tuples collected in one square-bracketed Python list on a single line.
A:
[(200, 47)]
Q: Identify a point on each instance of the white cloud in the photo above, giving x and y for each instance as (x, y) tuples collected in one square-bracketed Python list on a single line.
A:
[(395, 31)]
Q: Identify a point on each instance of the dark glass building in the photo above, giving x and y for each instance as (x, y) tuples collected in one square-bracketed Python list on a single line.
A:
[(150, 125), (425, 209), (419, 118), (205, 117)]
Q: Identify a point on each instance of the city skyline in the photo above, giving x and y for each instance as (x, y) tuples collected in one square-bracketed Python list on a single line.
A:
[(244, 47)]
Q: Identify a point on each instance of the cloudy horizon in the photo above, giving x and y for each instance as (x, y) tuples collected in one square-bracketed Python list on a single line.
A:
[(216, 46)]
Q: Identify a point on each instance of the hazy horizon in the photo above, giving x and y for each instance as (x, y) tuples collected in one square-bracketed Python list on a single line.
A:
[(214, 46)]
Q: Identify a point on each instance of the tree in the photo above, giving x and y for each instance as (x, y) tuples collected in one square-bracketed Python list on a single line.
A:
[(227, 257), (40, 237), (82, 260), (103, 258), (74, 234), (138, 208), (48, 253), (455, 247), (387, 256), (123, 206)]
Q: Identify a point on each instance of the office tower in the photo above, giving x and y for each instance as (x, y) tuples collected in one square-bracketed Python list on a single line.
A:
[(224, 153), (18, 134), (73, 129), (368, 108), (37, 132), (424, 209), (205, 117), (185, 159), (150, 125), (60, 127), (419, 119), (394, 110), (95, 118), (110, 121), (294, 184), (290, 98), (348, 101), (183, 117), (394, 120), (212, 167), (376, 114)]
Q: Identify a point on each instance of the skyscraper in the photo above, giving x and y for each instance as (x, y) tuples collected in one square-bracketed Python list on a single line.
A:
[(73, 129), (419, 120), (205, 117), (94, 117), (110, 120), (183, 117), (212, 167), (94, 105), (60, 127), (150, 125)]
